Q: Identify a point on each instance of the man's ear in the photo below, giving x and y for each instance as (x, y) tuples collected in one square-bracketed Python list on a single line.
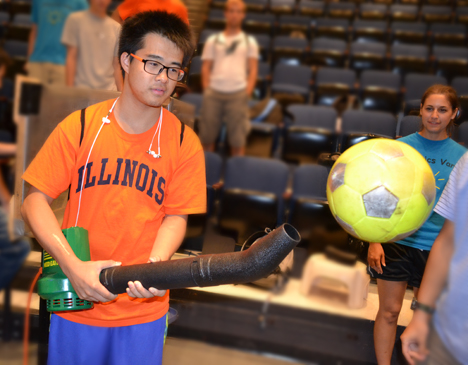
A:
[(125, 61)]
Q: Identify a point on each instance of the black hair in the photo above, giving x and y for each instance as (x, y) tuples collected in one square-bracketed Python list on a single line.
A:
[(170, 26)]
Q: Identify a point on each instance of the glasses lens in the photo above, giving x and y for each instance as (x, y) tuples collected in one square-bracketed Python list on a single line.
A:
[(153, 67), (180, 75)]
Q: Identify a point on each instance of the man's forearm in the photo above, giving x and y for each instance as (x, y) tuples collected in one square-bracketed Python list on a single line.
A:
[(32, 40), (39, 216), (7, 149), (252, 78), (84, 276), (170, 236), (206, 74), (437, 267), (70, 66)]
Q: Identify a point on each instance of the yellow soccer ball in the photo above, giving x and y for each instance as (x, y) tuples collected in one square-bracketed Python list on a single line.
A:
[(381, 190)]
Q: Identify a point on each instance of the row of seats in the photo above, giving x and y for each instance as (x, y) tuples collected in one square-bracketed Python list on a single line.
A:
[(378, 90), (310, 130), (255, 195), (349, 10), (362, 29), (16, 27), (14, 7), (443, 60)]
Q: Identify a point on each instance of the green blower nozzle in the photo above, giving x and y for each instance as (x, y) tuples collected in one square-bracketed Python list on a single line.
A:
[(54, 286)]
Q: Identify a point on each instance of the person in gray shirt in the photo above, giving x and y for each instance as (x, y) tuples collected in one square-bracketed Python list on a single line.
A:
[(438, 332), (90, 37)]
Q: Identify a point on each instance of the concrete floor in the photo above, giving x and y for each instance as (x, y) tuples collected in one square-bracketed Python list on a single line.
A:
[(176, 352)]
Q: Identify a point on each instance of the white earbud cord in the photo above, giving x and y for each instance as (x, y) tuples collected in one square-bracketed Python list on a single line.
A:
[(105, 120), (158, 130)]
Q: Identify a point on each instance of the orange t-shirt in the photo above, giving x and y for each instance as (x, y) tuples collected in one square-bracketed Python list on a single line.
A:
[(126, 194), (131, 7)]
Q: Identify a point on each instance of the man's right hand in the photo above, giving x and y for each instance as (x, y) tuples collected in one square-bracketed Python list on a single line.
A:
[(414, 339), (376, 257), (84, 277)]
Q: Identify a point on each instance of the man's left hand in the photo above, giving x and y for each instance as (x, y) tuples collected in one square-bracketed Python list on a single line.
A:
[(136, 290)]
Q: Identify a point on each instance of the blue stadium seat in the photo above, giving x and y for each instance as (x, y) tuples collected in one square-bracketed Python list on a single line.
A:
[(409, 58), (450, 62), (194, 74), (292, 80), (361, 125), (367, 56), (294, 23), (328, 52), (215, 19), (380, 90), (256, 6), (409, 124), (408, 32), (416, 84), (314, 9), (311, 133), (309, 212), (436, 13), (371, 11), (333, 84), (345, 10), (282, 6), (259, 23), (448, 34), (332, 28), (460, 84), (252, 195), (370, 30), (404, 12), (289, 50)]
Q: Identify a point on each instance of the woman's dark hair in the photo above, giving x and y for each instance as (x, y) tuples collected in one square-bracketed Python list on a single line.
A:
[(451, 95), (170, 26)]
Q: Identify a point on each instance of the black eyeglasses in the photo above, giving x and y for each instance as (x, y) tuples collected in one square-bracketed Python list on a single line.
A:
[(155, 68)]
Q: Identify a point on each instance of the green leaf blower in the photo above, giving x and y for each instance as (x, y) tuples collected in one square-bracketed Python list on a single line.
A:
[(254, 263), (54, 286)]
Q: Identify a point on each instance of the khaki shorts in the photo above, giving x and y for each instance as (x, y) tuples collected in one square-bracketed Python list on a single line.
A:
[(48, 73), (229, 108)]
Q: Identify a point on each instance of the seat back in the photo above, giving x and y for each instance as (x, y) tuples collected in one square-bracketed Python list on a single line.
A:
[(416, 84), (360, 125), (460, 84), (409, 124), (309, 212), (406, 32), (251, 199), (380, 90), (312, 133), (332, 84)]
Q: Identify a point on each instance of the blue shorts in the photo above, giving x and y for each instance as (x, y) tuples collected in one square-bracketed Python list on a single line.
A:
[(74, 343)]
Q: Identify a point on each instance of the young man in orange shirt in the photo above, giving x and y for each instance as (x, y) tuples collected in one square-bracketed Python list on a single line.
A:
[(134, 178)]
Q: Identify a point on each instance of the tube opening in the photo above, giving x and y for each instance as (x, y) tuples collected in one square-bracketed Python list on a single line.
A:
[(292, 232)]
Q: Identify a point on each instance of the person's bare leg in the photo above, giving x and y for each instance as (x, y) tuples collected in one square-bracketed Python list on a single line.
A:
[(415, 292), (391, 294), (237, 151), (209, 147)]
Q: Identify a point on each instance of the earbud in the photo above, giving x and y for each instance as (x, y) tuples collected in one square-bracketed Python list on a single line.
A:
[(105, 120), (154, 154)]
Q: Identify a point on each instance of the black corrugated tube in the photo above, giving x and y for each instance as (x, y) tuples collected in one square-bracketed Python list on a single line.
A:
[(255, 263)]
